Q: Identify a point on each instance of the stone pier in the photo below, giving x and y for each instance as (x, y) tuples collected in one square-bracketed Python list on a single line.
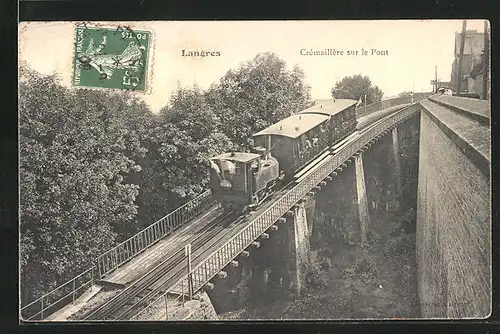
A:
[(275, 266), (396, 164), (364, 216)]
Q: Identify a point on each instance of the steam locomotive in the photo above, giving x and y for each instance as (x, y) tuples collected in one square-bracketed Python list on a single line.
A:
[(245, 180)]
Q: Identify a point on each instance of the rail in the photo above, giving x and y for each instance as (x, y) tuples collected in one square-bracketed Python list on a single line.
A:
[(216, 261), (362, 111), (112, 259), (136, 244)]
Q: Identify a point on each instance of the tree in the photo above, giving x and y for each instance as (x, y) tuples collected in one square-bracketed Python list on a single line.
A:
[(258, 93), (405, 94), (197, 125), (185, 135), (75, 153), (355, 87)]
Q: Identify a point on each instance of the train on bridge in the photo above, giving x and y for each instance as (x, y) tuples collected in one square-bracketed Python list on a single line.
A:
[(240, 180)]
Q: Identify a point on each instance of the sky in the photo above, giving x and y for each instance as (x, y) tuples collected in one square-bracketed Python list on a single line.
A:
[(412, 49)]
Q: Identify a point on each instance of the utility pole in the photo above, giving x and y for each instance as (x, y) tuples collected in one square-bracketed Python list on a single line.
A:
[(436, 78), (365, 104), (486, 60), (460, 60)]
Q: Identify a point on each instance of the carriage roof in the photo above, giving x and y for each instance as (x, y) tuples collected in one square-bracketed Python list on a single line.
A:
[(329, 107), (294, 126), (243, 157)]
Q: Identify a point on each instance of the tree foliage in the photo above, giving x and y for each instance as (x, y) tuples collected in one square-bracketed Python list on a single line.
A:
[(197, 125), (258, 93), (356, 87), (405, 94), (97, 166), (76, 149), (185, 135)]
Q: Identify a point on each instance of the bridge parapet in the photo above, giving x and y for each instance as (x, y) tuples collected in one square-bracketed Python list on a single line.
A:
[(466, 122), (479, 110), (454, 208)]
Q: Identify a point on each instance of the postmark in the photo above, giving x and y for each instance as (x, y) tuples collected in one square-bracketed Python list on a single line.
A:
[(111, 57)]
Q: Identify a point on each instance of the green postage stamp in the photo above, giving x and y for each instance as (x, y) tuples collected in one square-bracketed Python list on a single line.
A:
[(113, 58)]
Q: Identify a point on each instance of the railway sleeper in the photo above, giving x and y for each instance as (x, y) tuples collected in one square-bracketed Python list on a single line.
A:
[(256, 244), (264, 236)]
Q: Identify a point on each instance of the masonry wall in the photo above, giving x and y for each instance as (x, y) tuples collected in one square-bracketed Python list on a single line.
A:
[(453, 229), (336, 217), (409, 143), (274, 270)]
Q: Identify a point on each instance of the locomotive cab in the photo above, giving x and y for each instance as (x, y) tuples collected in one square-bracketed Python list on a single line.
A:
[(240, 179)]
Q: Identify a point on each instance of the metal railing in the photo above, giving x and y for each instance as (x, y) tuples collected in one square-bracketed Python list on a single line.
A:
[(110, 260), (136, 244), (362, 111), (63, 294), (216, 261)]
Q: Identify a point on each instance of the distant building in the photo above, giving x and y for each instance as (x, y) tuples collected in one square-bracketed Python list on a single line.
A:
[(442, 84), (472, 64)]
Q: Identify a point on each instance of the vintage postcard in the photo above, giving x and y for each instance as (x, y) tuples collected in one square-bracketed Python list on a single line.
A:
[(243, 170)]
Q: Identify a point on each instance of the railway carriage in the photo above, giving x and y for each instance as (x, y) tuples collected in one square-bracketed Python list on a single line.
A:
[(240, 179), (294, 141), (342, 114)]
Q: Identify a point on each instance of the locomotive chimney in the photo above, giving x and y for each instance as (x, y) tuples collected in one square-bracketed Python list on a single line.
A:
[(260, 151)]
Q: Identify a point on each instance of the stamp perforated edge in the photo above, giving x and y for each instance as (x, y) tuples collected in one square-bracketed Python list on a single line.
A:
[(115, 25)]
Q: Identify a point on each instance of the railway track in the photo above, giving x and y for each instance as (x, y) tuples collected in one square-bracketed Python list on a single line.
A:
[(164, 274), (138, 295)]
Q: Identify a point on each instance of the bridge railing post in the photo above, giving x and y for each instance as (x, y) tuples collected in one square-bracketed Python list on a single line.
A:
[(189, 273), (166, 306), (91, 278), (41, 309)]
